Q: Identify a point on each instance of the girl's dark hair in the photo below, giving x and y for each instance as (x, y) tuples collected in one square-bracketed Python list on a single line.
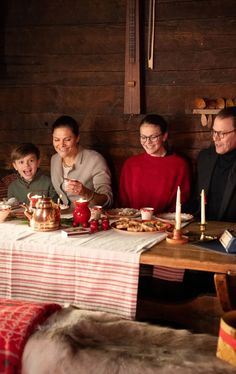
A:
[(24, 149), (66, 121), (156, 120)]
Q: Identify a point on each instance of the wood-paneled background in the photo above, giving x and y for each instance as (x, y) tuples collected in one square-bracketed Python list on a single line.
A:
[(67, 57)]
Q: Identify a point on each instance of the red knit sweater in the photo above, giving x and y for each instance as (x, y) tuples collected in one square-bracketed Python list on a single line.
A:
[(148, 181)]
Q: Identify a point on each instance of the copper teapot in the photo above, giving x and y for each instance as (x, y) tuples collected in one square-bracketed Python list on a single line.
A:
[(44, 216)]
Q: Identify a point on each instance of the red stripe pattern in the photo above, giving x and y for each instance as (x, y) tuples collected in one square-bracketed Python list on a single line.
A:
[(169, 274), (4, 183), (230, 340), (96, 272)]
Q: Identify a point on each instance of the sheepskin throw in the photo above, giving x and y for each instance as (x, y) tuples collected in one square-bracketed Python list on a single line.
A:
[(77, 341)]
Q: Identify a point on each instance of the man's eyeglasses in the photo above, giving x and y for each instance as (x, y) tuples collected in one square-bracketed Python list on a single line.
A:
[(221, 134), (151, 138)]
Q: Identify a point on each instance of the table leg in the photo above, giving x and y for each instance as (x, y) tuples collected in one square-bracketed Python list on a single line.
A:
[(222, 291)]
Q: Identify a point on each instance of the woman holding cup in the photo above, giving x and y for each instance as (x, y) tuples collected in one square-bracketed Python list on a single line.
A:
[(76, 172)]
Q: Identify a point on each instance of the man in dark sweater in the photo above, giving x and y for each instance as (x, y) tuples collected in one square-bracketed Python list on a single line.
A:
[(216, 174), (216, 168)]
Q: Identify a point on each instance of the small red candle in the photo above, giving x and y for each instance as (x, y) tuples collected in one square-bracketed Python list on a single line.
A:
[(105, 224), (94, 225)]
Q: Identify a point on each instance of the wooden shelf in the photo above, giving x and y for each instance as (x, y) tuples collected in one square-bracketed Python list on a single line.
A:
[(206, 116), (206, 111)]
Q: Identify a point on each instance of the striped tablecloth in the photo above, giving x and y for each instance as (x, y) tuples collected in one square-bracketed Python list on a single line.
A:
[(97, 272)]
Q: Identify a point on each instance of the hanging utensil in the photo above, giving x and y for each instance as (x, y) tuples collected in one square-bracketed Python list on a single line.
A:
[(151, 33), (204, 120), (209, 121)]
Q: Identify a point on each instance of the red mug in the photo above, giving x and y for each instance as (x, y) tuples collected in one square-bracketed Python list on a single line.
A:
[(33, 199)]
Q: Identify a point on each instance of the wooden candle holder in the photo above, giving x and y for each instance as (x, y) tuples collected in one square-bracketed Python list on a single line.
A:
[(177, 237)]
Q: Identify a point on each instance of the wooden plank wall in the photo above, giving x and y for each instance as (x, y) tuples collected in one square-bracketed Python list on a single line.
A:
[(67, 57)]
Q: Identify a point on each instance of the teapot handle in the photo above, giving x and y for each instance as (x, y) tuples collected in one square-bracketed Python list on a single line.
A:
[(29, 195), (27, 212)]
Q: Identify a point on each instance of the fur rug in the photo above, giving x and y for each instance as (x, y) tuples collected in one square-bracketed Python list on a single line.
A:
[(76, 341)]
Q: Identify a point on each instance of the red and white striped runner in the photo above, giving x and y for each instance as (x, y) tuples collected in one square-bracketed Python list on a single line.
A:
[(97, 272)]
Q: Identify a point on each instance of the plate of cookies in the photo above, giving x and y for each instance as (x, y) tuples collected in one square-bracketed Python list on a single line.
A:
[(133, 226)]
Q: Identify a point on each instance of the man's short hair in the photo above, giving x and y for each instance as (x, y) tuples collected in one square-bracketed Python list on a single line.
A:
[(229, 112)]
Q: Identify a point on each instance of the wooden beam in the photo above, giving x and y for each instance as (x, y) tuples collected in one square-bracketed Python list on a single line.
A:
[(132, 59)]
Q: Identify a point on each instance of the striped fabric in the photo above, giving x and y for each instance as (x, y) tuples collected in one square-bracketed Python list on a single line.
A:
[(169, 274), (3, 191), (9, 178), (162, 272), (97, 272), (4, 183)]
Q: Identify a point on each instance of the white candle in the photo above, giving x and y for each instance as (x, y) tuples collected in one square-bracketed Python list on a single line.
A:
[(203, 214), (178, 210)]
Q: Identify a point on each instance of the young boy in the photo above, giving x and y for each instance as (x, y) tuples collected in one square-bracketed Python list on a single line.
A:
[(26, 160)]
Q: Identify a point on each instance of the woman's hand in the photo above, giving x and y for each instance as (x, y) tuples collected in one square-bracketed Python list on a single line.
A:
[(75, 187)]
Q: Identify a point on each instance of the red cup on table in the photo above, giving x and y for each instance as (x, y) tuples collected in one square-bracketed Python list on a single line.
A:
[(34, 199)]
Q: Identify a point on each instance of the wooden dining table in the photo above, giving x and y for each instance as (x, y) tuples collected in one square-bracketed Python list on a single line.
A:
[(101, 271), (193, 256)]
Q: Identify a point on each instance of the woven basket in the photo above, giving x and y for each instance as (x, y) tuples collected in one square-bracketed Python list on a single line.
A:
[(226, 348)]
